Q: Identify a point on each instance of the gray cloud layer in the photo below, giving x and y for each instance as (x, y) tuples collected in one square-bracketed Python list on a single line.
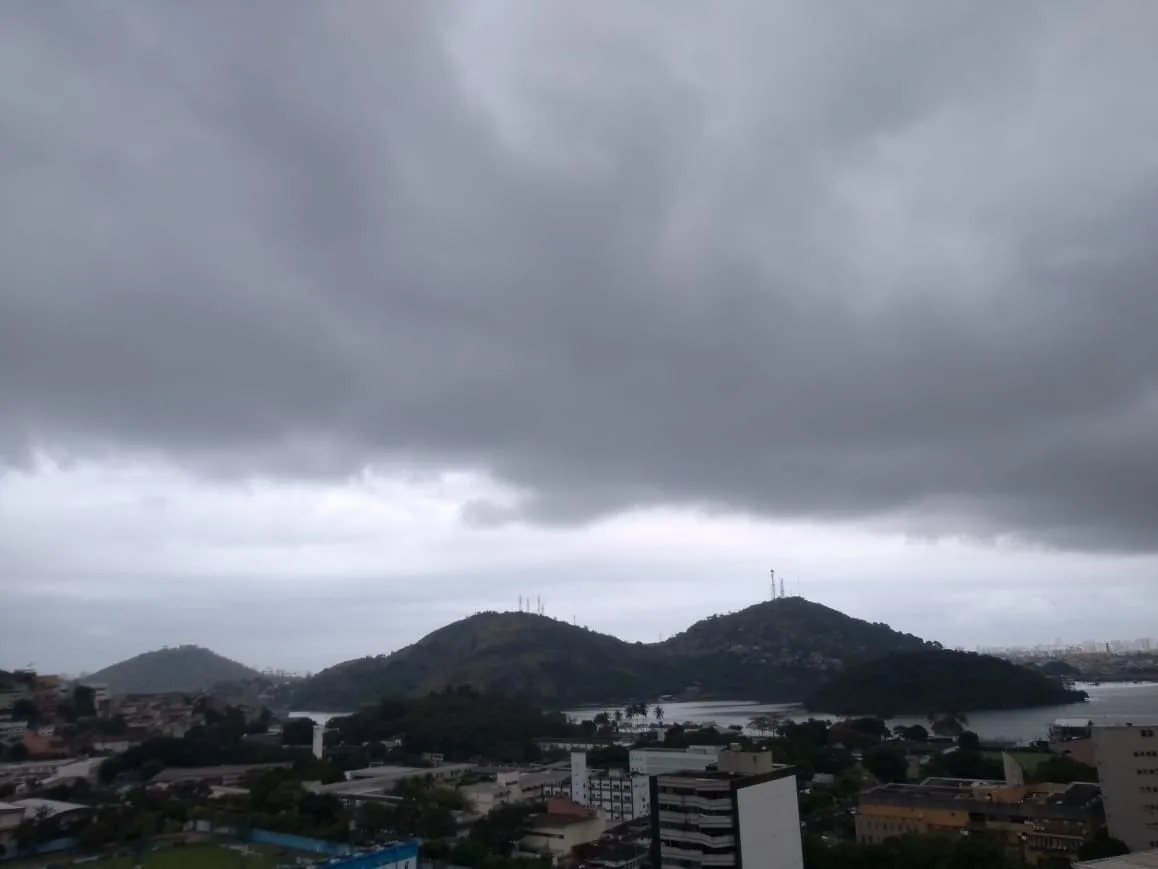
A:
[(796, 258)]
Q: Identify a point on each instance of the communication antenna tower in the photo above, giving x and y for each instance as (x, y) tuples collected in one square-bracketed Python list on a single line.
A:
[(772, 588), (520, 603), (782, 586)]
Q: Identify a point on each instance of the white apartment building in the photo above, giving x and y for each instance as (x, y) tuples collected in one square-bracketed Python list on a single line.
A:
[(1127, 758), (746, 814), (624, 795), (614, 793)]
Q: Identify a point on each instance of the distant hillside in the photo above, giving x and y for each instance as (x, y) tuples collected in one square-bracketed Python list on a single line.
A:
[(524, 655), (770, 651), (775, 650), (189, 669), (937, 681)]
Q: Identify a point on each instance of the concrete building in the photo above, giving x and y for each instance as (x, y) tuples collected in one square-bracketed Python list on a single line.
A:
[(624, 795), (1127, 758), (724, 819), (12, 732), (10, 818), (447, 771), (562, 828), (1038, 822), (228, 774), (659, 761), (377, 783), (582, 743), (613, 793), (34, 771)]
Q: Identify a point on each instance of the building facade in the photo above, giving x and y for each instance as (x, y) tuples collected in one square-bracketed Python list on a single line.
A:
[(1040, 823), (1127, 759), (725, 819), (614, 793), (659, 761)]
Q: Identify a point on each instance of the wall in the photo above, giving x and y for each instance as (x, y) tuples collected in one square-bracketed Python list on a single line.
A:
[(769, 821), (1081, 750), (298, 843), (53, 847)]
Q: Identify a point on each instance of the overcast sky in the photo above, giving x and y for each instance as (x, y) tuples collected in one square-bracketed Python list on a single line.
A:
[(324, 324)]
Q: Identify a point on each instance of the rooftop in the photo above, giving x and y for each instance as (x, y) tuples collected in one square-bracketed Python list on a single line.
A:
[(1137, 860), (720, 775), (407, 771), (555, 822), (947, 790), (48, 808), (196, 773)]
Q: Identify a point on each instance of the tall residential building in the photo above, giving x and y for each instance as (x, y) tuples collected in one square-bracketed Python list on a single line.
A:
[(1039, 823), (744, 815), (1127, 758)]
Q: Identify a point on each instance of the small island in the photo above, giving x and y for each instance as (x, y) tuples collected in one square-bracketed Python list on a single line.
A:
[(927, 680)]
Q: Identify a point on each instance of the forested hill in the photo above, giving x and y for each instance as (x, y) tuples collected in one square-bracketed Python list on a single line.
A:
[(772, 651), (937, 681), (188, 669)]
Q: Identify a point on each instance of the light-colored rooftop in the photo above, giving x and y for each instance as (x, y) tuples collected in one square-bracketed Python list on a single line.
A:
[(1137, 860), (47, 808)]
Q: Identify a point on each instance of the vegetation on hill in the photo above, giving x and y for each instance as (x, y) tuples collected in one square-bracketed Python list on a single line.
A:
[(180, 669), (929, 680), (462, 724), (775, 650), (770, 651)]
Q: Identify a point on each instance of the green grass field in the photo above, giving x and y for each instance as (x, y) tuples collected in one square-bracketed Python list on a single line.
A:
[(1029, 760)]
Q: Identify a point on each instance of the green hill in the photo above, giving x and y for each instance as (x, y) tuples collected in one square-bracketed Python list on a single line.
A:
[(771, 651), (186, 669), (937, 681)]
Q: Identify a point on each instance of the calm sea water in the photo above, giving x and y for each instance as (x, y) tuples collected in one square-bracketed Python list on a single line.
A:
[(1111, 703)]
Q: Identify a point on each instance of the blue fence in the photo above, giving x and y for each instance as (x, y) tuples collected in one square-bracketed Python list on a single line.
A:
[(299, 843), (52, 847)]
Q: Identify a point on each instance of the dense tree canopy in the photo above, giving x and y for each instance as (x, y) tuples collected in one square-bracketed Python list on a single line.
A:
[(929, 680), (461, 724)]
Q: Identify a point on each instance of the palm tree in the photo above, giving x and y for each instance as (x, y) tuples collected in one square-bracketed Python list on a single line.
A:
[(658, 713), (618, 717)]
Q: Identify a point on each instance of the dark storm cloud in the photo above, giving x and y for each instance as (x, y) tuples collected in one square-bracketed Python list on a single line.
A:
[(792, 258)]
